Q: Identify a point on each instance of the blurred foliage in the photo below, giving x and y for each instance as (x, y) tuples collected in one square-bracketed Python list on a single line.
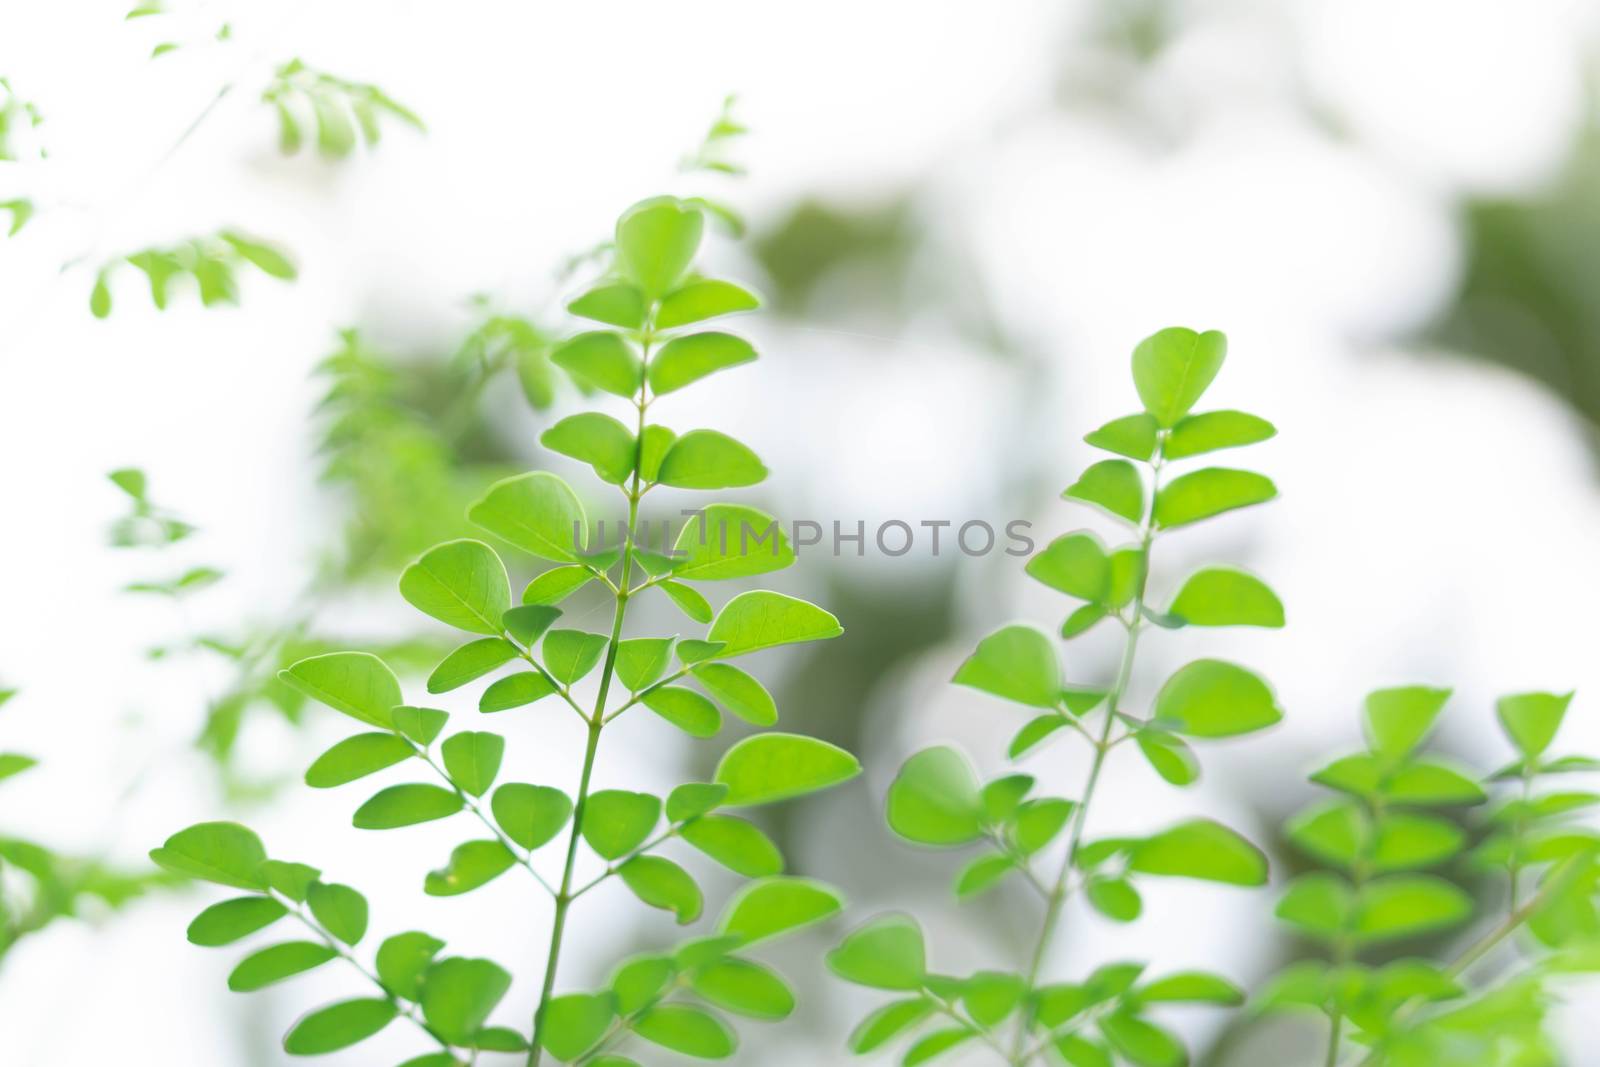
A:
[(338, 111), (39, 885), (211, 263), (1526, 298)]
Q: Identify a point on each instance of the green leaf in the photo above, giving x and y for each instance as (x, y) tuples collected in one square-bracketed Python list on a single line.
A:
[(1405, 905), (770, 907), (14, 763), (403, 959), (692, 799), (738, 692), (886, 953), (690, 712), (613, 303), (765, 768), (689, 601), (221, 852), (982, 874), (1080, 1051), (1075, 564), (1172, 759), (1426, 781), (225, 923), (356, 683), (936, 1044), (654, 443), (1191, 987), (1319, 904), (265, 257), (1133, 436), (762, 619), (1017, 663), (1142, 1042), (1334, 833), (537, 512), (702, 299), (575, 1023), (1115, 898), (685, 360), (1038, 822), (1036, 730), (640, 980), (406, 805), (571, 654), (1531, 720), (422, 725), (598, 440), (528, 622), (1408, 842), (293, 880), (642, 661), (1215, 430), (531, 815), (460, 583), (459, 993), (617, 821), (1203, 494), (338, 1026), (356, 757), (269, 965), (603, 359), (730, 541), (706, 459), (887, 1023), (689, 1030), (471, 661), (471, 865), (556, 584), (100, 297), (341, 910), (656, 242), (1398, 719), (663, 884), (934, 800), (1173, 367), (1200, 849), (745, 988), (515, 690), (1112, 485), (991, 996), (1226, 596), (472, 759), (734, 843), (1082, 620), (1213, 698)]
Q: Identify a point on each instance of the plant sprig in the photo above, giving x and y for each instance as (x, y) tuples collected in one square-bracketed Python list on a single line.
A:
[(655, 303), (938, 801)]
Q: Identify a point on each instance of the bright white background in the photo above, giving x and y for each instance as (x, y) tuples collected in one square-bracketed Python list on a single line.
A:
[(1286, 172)]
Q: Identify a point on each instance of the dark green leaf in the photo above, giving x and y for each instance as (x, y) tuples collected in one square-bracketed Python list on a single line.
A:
[(261, 969), (769, 767), (472, 759), (406, 805), (338, 1026), (356, 757), (531, 815)]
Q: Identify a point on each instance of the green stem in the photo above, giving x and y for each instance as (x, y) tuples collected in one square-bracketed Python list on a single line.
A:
[(1102, 745), (596, 721)]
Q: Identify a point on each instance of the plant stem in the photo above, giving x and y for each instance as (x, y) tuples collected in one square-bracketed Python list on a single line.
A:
[(1102, 745), (597, 721)]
